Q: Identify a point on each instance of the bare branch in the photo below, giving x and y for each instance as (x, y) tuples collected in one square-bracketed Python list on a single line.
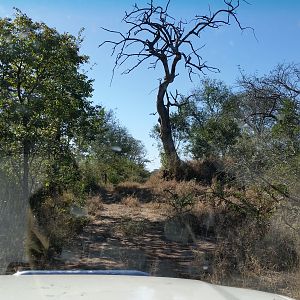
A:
[(153, 33), (157, 37)]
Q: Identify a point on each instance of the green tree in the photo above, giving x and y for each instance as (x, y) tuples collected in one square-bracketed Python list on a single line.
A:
[(214, 125), (115, 155), (44, 106), (206, 123)]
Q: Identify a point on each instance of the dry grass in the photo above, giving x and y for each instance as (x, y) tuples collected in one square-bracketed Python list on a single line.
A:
[(254, 254), (255, 248), (253, 251), (94, 205), (160, 188), (131, 201), (129, 228), (141, 192), (128, 186), (154, 178), (56, 217), (54, 223), (260, 253)]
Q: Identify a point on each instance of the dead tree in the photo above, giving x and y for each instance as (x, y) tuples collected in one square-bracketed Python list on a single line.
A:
[(263, 98), (158, 38)]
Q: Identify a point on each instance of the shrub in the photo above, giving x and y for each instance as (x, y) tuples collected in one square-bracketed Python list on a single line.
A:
[(128, 187), (181, 196), (53, 225), (94, 205), (249, 246), (131, 228), (131, 201), (180, 203), (205, 170)]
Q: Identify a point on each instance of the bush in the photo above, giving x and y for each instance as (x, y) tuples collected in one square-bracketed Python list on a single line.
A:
[(53, 225), (205, 170), (94, 205), (180, 203), (131, 201), (249, 246), (131, 228), (128, 187)]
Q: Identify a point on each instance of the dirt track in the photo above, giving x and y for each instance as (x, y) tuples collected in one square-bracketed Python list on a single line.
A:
[(139, 238)]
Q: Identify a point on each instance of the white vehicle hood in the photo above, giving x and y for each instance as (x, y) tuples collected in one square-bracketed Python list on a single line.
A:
[(114, 287)]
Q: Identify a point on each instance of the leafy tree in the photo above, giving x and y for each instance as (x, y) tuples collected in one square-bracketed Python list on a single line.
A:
[(44, 107), (157, 37), (213, 127), (214, 139), (206, 123), (115, 155), (257, 128)]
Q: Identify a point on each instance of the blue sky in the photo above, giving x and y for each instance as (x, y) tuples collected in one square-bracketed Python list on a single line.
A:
[(132, 97)]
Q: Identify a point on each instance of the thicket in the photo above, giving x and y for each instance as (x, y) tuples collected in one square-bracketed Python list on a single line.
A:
[(245, 144), (56, 147)]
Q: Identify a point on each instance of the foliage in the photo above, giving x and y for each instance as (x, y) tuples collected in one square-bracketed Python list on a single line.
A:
[(53, 140), (44, 106), (53, 221), (114, 156), (215, 137), (213, 126), (268, 151), (254, 130), (205, 123), (181, 203)]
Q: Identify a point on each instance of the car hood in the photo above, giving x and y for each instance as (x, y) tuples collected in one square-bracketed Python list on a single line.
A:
[(112, 287)]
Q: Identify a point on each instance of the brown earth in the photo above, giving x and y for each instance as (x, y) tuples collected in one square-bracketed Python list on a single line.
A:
[(140, 238), (131, 235)]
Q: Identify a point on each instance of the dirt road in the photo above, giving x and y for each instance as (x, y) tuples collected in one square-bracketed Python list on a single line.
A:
[(138, 238)]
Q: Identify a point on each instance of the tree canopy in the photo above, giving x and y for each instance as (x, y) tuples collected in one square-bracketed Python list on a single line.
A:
[(115, 155), (44, 106)]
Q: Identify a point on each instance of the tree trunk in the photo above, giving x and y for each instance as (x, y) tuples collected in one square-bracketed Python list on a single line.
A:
[(25, 179), (173, 160)]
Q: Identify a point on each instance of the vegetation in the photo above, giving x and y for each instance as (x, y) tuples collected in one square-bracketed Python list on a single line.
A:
[(155, 36), (114, 156), (45, 109), (53, 141), (84, 178)]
